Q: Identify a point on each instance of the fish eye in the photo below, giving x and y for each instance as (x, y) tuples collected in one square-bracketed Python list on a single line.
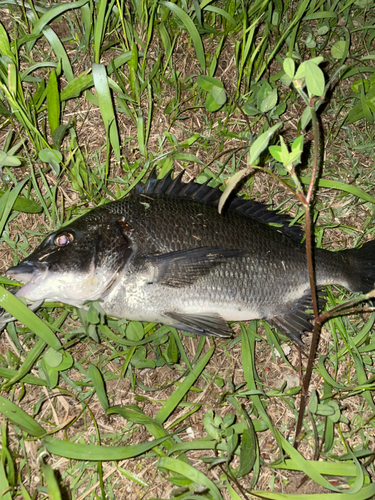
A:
[(63, 239)]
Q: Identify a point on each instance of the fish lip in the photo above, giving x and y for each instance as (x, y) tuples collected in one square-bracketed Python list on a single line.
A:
[(25, 271)]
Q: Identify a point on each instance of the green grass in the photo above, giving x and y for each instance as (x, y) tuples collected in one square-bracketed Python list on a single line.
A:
[(95, 95)]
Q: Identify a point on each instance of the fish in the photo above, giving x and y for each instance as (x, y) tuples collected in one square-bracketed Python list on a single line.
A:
[(163, 254)]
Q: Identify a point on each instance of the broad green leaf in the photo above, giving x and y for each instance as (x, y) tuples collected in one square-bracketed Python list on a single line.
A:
[(302, 67), (207, 82), (313, 405), (338, 49), (8, 160), (53, 158), (219, 95), (83, 82), (66, 362), (250, 110), (276, 153), (135, 331), (248, 452), (53, 358), (212, 430), (211, 103), (314, 78), (261, 90), (269, 102), (260, 144), (284, 152), (51, 375), (306, 118), (232, 183), (323, 28)]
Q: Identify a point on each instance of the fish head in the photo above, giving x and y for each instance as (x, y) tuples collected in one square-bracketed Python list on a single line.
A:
[(78, 262)]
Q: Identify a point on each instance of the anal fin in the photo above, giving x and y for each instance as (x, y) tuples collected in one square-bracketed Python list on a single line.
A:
[(297, 321), (201, 324)]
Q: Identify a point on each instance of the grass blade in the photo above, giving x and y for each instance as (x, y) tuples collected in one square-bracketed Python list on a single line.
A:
[(98, 382), (53, 102), (17, 309), (99, 28), (306, 466), (341, 186), (190, 472), (193, 32), (365, 493), (20, 418), (100, 79), (49, 16), (183, 388), (28, 363), (78, 451), (51, 482), (60, 52)]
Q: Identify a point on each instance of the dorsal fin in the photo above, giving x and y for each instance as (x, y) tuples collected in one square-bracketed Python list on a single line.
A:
[(204, 193)]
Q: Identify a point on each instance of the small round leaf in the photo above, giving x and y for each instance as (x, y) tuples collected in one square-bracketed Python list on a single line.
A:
[(338, 49)]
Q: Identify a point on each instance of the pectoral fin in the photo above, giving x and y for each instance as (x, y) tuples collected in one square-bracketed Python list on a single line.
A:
[(185, 267), (201, 324)]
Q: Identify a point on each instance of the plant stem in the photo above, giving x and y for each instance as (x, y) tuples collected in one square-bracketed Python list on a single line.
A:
[(310, 264)]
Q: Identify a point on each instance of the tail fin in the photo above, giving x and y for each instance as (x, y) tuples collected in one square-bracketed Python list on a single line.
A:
[(362, 265)]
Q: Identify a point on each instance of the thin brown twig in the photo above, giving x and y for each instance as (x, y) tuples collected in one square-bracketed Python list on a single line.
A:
[(310, 264)]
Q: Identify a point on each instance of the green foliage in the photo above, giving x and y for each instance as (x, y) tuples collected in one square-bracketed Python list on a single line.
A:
[(95, 94)]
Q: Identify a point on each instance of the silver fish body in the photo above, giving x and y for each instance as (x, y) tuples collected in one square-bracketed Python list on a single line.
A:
[(164, 254)]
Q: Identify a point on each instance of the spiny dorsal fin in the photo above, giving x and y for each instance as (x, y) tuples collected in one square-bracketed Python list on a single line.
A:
[(204, 193)]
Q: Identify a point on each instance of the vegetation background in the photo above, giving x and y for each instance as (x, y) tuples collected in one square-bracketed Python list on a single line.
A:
[(94, 94)]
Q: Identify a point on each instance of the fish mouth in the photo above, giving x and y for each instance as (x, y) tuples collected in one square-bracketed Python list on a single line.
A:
[(26, 271)]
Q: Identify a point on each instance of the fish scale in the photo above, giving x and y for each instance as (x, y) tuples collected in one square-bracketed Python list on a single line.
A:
[(164, 254)]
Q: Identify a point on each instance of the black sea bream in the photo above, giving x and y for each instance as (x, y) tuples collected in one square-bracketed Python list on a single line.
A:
[(164, 254)]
